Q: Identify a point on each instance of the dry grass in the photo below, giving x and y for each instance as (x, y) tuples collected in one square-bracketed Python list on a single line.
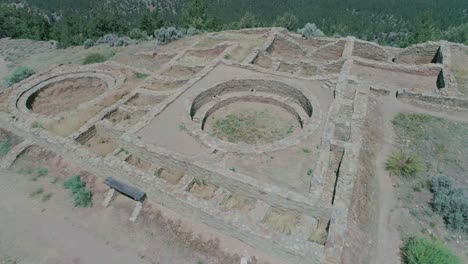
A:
[(251, 127), (74, 120), (171, 176), (319, 236), (239, 202), (283, 222), (203, 189)]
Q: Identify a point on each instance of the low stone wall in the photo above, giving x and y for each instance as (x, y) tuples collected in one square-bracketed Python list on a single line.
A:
[(454, 103), (370, 51), (265, 86)]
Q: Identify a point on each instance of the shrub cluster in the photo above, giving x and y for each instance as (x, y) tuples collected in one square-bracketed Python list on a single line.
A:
[(169, 34), (94, 58), (18, 75), (82, 197), (420, 250), (139, 34), (114, 40), (451, 203), (310, 30)]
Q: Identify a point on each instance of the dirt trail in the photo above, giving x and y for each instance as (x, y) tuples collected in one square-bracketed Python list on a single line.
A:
[(388, 236)]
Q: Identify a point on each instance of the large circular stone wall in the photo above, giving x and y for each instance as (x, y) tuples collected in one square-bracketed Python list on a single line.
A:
[(284, 104)]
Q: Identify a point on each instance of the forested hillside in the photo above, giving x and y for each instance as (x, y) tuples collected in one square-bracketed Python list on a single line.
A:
[(391, 22)]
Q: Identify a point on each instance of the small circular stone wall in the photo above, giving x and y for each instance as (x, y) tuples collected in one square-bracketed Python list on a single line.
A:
[(252, 116), (65, 95), (52, 94)]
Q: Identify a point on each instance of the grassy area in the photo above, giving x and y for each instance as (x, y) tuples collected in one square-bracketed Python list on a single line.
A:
[(442, 144), (419, 250), (251, 127), (400, 163), (434, 201)]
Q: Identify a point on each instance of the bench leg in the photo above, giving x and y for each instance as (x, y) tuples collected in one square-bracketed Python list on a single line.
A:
[(109, 197), (136, 211)]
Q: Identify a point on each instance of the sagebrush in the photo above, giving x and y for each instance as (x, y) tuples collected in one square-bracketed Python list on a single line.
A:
[(82, 197), (18, 75), (450, 202)]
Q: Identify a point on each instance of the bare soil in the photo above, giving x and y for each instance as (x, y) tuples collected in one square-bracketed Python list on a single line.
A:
[(160, 85), (179, 71), (144, 100), (125, 118), (200, 57), (100, 143), (66, 95), (263, 61)]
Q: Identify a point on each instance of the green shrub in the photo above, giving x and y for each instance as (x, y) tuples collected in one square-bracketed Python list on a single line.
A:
[(88, 43), (451, 203), (94, 58), (166, 35), (18, 75), (5, 147), (139, 34), (141, 75), (419, 250), (81, 196), (310, 30), (401, 163)]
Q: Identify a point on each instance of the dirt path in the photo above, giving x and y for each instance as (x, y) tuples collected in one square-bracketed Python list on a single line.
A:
[(3, 69), (388, 236)]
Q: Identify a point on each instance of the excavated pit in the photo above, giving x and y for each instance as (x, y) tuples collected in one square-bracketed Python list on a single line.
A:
[(65, 95)]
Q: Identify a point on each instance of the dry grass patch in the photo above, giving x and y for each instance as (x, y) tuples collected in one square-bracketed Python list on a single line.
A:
[(203, 189), (320, 234), (74, 120), (171, 176), (239, 202), (283, 222), (138, 162)]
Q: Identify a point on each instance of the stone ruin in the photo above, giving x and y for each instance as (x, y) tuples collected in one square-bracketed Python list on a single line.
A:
[(289, 198)]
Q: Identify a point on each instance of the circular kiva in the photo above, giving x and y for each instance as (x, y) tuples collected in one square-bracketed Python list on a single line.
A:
[(245, 93), (51, 95)]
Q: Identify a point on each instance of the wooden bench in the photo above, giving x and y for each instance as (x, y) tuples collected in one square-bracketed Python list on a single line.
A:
[(126, 189)]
